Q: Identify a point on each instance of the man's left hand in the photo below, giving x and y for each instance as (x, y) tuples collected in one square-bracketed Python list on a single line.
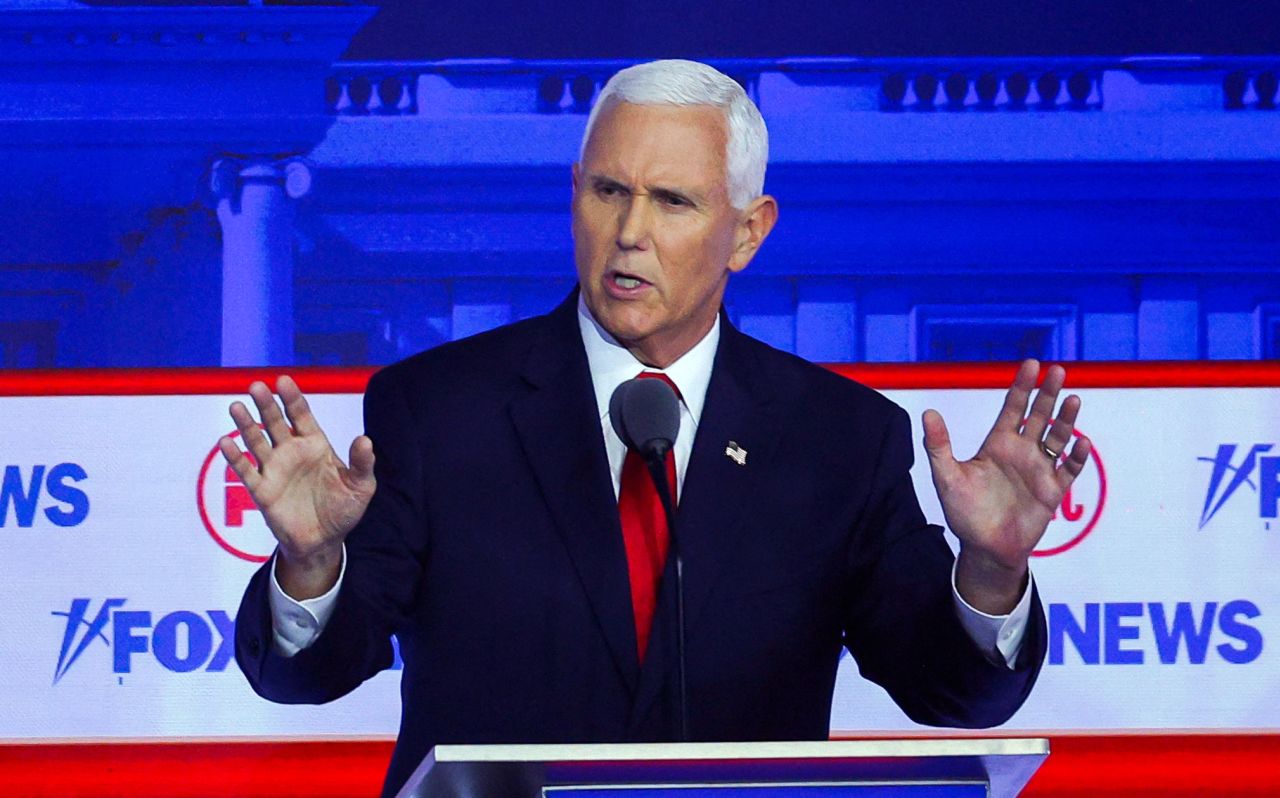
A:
[(1000, 503)]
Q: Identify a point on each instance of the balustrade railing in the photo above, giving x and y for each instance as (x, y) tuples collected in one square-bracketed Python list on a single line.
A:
[(883, 84)]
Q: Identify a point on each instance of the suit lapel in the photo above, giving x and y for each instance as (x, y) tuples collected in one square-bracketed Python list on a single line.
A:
[(718, 492), (559, 428)]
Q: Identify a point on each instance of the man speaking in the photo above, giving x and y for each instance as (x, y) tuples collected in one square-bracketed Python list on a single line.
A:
[(516, 547)]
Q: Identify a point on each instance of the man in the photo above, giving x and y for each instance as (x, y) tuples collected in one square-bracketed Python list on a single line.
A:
[(488, 537)]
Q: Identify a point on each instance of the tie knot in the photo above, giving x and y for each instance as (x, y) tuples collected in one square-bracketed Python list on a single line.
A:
[(657, 375)]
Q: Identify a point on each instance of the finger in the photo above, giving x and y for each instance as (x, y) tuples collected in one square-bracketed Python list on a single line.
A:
[(1075, 462), (937, 444), (254, 440), (296, 408), (1042, 407), (361, 458), (1015, 401), (1060, 433), (240, 464), (269, 412)]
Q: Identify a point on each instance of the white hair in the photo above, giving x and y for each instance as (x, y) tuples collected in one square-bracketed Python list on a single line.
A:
[(685, 83)]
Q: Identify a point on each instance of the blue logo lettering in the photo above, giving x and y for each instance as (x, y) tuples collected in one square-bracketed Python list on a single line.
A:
[(1184, 629), (1118, 631), (75, 617), (181, 641), (77, 501), (1113, 633), (23, 495), (1248, 636), (127, 643), (199, 641), (1221, 489), (1086, 639)]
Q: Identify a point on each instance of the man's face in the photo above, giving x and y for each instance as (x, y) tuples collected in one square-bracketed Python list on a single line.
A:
[(655, 236)]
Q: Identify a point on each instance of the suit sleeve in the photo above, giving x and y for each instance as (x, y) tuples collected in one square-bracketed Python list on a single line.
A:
[(385, 555), (901, 625)]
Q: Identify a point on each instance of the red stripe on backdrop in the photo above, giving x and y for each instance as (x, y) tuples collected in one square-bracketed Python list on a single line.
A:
[(344, 768), (1145, 374), (1164, 765), (1117, 374), (1096, 765), (173, 382)]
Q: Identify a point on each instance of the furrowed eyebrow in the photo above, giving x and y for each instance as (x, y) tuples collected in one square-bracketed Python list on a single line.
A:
[(600, 181), (671, 193), (661, 192)]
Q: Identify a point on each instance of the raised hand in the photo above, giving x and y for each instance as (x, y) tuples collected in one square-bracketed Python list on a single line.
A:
[(308, 496), (1000, 503)]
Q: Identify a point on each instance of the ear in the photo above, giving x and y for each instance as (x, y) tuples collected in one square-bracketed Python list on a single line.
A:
[(754, 225), (574, 171)]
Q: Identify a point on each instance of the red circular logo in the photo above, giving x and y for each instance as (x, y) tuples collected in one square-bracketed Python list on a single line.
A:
[(1080, 510), (228, 511)]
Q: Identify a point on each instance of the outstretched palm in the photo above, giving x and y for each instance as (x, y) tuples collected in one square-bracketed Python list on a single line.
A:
[(308, 496), (1000, 502)]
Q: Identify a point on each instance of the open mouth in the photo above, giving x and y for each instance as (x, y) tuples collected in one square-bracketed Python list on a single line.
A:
[(625, 282)]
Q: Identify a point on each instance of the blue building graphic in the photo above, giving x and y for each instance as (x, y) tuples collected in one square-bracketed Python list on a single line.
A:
[(202, 186)]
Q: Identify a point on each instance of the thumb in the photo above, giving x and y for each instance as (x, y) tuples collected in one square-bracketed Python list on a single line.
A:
[(937, 444), (361, 458)]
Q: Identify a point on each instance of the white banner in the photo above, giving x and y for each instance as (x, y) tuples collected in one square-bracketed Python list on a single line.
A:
[(125, 546), (1159, 576)]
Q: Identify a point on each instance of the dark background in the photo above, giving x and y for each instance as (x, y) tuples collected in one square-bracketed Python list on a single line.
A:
[(413, 29)]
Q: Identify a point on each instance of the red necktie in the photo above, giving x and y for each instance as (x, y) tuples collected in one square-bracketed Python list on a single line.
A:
[(644, 530)]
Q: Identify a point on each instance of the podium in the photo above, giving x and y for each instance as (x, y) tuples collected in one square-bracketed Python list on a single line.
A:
[(920, 768)]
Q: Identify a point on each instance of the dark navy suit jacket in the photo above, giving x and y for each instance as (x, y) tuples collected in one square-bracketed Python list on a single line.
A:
[(492, 550)]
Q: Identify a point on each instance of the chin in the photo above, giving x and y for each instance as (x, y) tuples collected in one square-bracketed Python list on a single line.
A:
[(618, 317), (623, 330)]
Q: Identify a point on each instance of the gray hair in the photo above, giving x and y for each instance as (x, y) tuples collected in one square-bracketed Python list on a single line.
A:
[(685, 83)]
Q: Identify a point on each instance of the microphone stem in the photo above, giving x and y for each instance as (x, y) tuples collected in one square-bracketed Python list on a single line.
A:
[(658, 471)]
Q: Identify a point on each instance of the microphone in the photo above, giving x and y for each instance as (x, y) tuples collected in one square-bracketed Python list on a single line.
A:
[(646, 415)]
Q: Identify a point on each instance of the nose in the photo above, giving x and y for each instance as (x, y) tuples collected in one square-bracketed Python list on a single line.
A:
[(633, 226)]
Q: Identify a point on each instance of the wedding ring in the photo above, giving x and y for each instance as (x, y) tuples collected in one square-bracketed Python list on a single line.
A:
[(1052, 455)]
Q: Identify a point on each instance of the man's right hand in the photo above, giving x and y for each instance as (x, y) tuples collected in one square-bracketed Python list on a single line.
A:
[(308, 496)]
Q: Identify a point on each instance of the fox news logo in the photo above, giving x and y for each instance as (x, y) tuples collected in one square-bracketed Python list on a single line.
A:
[(1256, 469), (1156, 632), (181, 641), (229, 513), (64, 504), (1081, 507)]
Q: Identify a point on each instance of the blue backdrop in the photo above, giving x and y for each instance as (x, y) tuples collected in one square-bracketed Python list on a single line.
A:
[(219, 185)]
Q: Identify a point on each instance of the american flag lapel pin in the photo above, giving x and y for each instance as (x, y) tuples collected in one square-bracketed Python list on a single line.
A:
[(736, 453)]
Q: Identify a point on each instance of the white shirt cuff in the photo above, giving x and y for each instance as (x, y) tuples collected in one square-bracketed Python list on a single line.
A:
[(296, 624), (995, 634)]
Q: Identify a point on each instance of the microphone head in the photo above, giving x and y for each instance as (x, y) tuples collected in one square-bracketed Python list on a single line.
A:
[(646, 415)]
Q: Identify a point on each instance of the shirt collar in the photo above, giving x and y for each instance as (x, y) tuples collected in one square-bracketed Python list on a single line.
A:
[(611, 364)]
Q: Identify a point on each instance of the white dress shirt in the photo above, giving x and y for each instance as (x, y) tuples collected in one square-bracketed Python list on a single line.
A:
[(297, 624)]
